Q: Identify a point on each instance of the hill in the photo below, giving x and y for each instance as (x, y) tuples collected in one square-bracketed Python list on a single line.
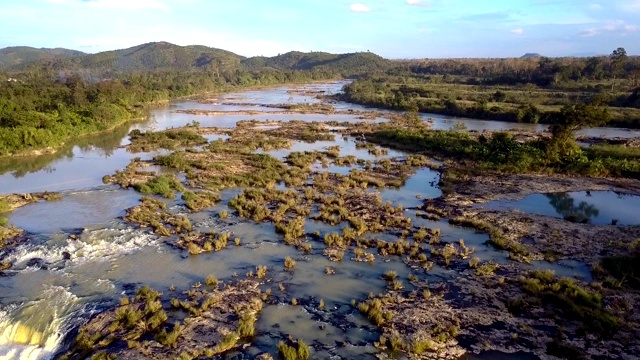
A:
[(530, 56), (159, 56), (19, 55), (166, 56), (347, 64)]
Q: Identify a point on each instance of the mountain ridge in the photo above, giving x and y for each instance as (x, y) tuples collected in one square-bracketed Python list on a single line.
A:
[(17, 55), (156, 56)]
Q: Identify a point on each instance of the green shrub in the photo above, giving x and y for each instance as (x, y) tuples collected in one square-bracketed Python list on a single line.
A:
[(165, 185)]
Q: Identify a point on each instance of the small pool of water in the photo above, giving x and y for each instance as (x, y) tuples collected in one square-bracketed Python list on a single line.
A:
[(595, 207), (422, 185)]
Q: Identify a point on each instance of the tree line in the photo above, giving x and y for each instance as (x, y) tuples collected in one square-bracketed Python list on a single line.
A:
[(542, 71)]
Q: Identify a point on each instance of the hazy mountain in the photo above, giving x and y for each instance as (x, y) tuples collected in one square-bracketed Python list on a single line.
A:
[(530, 56)]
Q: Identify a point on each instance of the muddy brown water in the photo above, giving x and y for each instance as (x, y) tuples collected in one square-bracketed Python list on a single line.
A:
[(59, 281)]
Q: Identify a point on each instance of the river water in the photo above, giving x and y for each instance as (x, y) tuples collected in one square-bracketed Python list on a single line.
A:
[(58, 281)]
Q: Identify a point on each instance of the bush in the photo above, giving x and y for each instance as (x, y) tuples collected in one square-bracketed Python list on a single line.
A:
[(289, 263), (165, 185)]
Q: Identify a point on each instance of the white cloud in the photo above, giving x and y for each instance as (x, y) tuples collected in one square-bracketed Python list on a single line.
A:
[(595, 7), (629, 5), (418, 3), (518, 31), (618, 26), (360, 8)]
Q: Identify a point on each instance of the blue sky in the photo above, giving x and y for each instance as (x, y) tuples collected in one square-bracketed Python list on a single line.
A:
[(391, 28)]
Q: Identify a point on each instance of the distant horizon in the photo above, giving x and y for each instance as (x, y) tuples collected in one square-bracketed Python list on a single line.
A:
[(584, 55), (394, 29)]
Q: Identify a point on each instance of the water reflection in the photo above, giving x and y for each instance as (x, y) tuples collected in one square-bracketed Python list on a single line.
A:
[(102, 145), (565, 205), (596, 207)]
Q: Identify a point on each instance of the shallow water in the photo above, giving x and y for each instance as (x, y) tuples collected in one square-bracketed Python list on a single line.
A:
[(76, 209), (595, 207), (79, 257)]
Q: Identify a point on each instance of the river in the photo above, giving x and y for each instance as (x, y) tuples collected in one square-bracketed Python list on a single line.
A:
[(58, 281)]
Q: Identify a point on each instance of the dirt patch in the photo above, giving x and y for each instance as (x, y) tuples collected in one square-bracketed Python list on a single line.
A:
[(506, 313), (467, 188)]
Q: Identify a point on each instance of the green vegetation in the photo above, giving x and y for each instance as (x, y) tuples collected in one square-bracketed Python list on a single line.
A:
[(211, 281), (344, 64), (41, 110), (517, 90), (497, 237), (153, 212), (197, 201), (140, 325), (168, 139), (17, 55), (567, 299), (501, 152), (165, 185), (3, 209), (293, 351), (289, 263), (619, 271), (487, 268)]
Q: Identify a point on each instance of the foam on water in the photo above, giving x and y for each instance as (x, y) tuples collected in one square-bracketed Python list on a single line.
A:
[(92, 244), (34, 329)]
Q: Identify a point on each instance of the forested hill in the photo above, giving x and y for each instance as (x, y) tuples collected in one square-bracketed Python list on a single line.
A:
[(351, 64), (146, 57), (169, 57), (16, 56), (160, 56)]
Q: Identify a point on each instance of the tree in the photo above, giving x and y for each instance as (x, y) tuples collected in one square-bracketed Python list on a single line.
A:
[(563, 146), (634, 76), (594, 68), (618, 57)]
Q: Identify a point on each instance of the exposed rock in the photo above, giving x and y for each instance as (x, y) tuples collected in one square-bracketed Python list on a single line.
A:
[(218, 319)]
